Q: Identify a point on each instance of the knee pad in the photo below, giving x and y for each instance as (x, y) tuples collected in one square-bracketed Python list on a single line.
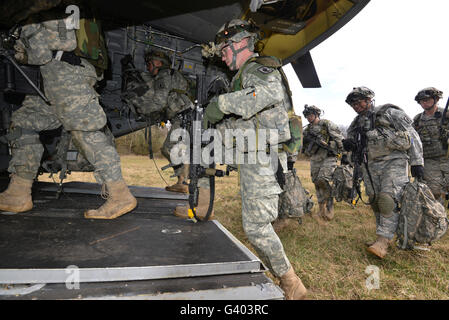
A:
[(385, 204)]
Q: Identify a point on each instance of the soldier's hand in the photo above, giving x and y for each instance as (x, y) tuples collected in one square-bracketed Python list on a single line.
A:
[(212, 113), (349, 145), (418, 172), (20, 54)]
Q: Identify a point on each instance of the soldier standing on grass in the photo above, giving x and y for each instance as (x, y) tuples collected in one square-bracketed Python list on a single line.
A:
[(387, 143), (434, 134), (256, 100), (69, 85), (322, 142)]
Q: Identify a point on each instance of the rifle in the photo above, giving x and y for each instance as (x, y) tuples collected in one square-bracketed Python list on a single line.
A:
[(192, 121), (314, 139), (6, 45), (359, 156)]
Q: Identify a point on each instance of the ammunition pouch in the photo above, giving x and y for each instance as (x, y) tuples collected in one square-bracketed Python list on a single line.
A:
[(382, 141)]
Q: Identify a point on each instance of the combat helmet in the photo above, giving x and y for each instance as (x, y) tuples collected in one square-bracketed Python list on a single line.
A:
[(429, 92), (157, 55), (235, 31), (359, 93), (311, 110)]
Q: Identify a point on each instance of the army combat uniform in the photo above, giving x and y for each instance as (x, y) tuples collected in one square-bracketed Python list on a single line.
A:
[(323, 161), (69, 85), (392, 144), (434, 140), (257, 100), (166, 96)]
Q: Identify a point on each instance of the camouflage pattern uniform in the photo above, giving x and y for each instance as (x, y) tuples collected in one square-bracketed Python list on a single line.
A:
[(166, 97), (392, 144), (436, 162), (322, 161), (74, 105), (258, 98)]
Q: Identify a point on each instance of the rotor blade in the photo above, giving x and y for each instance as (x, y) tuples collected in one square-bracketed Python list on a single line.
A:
[(306, 72)]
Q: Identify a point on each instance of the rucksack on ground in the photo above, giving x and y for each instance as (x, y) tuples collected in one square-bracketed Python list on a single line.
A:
[(294, 201), (422, 218), (342, 183)]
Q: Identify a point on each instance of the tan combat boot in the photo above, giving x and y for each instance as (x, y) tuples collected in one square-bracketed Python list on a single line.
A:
[(17, 198), (180, 186), (120, 201), (329, 210), (201, 210), (292, 286), (317, 214), (380, 247)]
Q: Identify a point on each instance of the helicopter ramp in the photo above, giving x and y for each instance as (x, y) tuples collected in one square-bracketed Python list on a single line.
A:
[(53, 252)]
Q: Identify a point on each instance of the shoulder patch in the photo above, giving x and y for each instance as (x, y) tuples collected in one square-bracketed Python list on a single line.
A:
[(265, 70)]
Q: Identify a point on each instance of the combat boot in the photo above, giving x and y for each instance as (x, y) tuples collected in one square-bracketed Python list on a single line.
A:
[(371, 242), (380, 247), (329, 210), (17, 198), (292, 286), (180, 186), (201, 210), (317, 213), (119, 201)]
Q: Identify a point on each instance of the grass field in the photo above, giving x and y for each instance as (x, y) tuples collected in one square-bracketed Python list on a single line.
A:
[(331, 259)]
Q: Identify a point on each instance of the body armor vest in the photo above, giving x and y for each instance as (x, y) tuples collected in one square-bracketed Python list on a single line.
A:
[(429, 131)]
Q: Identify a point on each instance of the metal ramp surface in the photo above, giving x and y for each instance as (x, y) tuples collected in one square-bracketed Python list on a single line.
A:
[(146, 254)]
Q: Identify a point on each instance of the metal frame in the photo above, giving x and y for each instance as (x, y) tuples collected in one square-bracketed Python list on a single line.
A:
[(68, 275)]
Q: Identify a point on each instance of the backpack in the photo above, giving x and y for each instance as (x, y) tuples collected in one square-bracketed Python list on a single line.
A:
[(91, 45), (342, 183), (294, 201), (422, 219)]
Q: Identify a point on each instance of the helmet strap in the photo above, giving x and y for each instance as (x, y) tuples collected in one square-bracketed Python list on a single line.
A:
[(235, 52)]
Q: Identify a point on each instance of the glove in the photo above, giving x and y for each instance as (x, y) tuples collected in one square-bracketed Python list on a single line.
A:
[(212, 113), (344, 159), (20, 54), (418, 172), (349, 145)]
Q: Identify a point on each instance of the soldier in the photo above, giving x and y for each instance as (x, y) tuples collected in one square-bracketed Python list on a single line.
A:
[(69, 85), (434, 134), (385, 138), (322, 142), (258, 99), (163, 94)]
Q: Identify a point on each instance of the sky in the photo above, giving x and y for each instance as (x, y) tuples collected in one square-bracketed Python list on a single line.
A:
[(393, 47)]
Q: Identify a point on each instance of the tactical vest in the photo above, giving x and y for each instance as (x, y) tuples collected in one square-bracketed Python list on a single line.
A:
[(385, 137), (319, 132), (430, 134)]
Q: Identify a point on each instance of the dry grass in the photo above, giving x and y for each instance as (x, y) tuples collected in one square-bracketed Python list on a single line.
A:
[(331, 259)]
